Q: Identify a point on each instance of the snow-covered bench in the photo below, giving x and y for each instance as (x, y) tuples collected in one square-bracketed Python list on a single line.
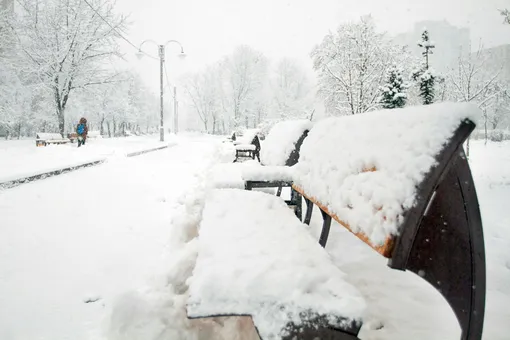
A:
[(283, 142), (43, 139), (279, 152), (248, 143), (255, 258), (400, 181)]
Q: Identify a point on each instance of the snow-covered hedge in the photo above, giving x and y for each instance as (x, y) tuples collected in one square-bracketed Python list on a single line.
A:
[(401, 144)]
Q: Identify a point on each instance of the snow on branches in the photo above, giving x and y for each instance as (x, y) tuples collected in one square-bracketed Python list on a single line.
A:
[(66, 44), (351, 64)]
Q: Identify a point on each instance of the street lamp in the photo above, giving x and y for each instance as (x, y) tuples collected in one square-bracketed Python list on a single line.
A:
[(161, 49)]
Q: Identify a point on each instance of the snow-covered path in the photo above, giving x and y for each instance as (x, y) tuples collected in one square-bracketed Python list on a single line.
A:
[(88, 234), (20, 158)]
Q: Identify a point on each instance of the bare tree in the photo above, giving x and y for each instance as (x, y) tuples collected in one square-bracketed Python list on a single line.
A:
[(471, 81), (292, 90), (506, 15), (246, 71), (202, 89), (65, 45)]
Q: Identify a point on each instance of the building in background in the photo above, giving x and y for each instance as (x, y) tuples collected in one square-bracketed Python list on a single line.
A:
[(450, 41), (497, 59)]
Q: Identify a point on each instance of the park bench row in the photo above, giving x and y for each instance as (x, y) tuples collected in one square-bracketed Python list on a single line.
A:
[(397, 179)]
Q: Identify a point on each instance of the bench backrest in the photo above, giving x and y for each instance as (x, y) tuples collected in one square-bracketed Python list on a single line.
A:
[(283, 143), (400, 181)]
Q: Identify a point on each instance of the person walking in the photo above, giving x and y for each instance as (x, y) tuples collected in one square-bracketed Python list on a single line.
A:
[(82, 130)]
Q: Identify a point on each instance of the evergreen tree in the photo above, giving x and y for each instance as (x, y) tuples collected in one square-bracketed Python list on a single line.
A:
[(393, 93), (425, 75)]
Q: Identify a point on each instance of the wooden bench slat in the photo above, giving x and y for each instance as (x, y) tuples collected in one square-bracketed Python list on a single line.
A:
[(385, 249)]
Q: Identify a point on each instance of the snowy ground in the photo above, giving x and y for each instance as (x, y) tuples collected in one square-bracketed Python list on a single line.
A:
[(21, 157), (89, 234), (112, 233)]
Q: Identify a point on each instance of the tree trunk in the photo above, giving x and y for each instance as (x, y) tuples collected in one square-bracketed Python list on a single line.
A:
[(61, 121), (109, 129), (485, 124), (101, 126)]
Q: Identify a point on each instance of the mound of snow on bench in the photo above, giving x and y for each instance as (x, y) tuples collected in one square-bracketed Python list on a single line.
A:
[(246, 266), (339, 153), (247, 137), (281, 141), (267, 173)]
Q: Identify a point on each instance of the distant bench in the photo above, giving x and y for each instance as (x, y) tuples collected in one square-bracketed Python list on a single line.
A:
[(404, 188), (247, 144), (279, 152), (44, 139)]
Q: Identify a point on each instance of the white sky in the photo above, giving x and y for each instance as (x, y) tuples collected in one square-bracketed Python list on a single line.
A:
[(210, 29)]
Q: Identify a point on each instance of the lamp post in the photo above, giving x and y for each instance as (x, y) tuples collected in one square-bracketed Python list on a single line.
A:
[(161, 50)]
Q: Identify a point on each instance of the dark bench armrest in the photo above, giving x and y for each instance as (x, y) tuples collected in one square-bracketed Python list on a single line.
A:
[(442, 236)]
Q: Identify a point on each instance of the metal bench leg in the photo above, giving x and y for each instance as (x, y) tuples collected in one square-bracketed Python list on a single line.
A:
[(309, 210), (279, 192), (297, 200), (325, 229)]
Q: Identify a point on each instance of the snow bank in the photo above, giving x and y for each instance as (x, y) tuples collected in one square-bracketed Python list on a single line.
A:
[(401, 144), (281, 141), (245, 147), (248, 269)]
